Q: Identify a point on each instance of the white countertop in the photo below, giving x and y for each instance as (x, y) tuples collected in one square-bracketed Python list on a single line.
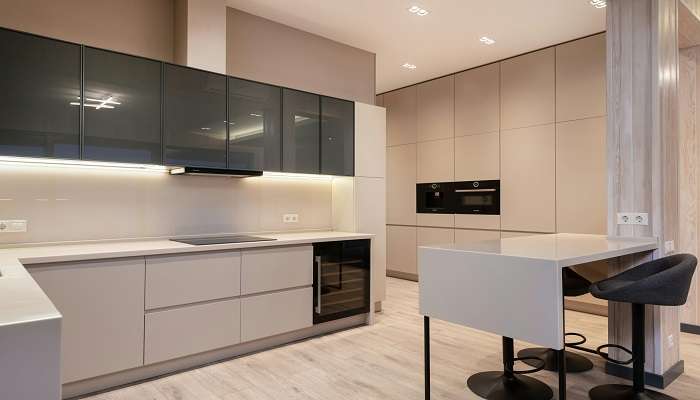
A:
[(23, 301), (565, 249)]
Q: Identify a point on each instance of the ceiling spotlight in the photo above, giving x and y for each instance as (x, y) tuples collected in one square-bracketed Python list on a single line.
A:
[(418, 11), (599, 3), (486, 40), (409, 66)]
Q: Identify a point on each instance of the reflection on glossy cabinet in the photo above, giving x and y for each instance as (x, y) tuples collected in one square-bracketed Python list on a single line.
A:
[(255, 129), (337, 136), (435, 109), (477, 100), (401, 116), (300, 132), (528, 179), (527, 90), (401, 184), (581, 78), (466, 236), (582, 176), (122, 114), (477, 157), (103, 309), (195, 117), (435, 162), (39, 106), (401, 249)]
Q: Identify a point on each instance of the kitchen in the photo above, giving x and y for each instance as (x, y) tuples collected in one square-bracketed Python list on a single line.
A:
[(182, 215)]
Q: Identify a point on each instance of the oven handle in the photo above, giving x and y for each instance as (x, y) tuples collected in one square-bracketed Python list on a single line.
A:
[(473, 190), (318, 285)]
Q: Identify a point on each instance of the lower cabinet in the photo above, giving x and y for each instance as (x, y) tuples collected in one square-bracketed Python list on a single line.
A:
[(191, 329), (102, 306), (466, 236), (275, 313), (401, 249)]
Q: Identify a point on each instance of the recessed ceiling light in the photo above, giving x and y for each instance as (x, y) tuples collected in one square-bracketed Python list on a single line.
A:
[(418, 11), (409, 66), (486, 40), (599, 3)]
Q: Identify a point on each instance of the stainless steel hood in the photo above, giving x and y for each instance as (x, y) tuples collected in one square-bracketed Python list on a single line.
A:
[(233, 173)]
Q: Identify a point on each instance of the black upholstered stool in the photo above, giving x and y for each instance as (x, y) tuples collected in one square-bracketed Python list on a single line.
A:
[(663, 282), (509, 384), (574, 285)]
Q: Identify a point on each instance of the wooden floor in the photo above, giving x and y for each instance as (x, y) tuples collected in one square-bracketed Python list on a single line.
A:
[(383, 361)]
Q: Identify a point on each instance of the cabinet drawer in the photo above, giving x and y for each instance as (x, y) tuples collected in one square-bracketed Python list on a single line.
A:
[(276, 268), (275, 313), (191, 329), (183, 279)]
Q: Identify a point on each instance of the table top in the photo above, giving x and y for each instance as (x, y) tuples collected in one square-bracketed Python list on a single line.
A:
[(564, 249)]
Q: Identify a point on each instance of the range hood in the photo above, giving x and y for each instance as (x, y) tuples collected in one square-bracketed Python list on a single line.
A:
[(233, 173)]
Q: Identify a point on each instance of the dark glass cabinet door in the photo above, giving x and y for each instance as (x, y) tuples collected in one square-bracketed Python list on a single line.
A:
[(122, 108), (254, 125), (337, 136), (195, 117), (39, 96), (301, 132)]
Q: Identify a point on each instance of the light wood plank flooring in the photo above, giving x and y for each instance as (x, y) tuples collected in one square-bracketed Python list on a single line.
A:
[(383, 361)]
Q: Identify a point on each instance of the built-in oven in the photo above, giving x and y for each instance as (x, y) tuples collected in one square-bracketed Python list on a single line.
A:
[(477, 197), (341, 279), (434, 198)]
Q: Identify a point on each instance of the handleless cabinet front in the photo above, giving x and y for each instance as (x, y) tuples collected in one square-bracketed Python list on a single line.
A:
[(301, 132), (189, 278), (102, 307), (270, 269), (337, 136), (276, 313)]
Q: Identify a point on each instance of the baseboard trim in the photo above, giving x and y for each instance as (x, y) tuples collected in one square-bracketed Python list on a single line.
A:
[(652, 379), (690, 328), (402, 275)]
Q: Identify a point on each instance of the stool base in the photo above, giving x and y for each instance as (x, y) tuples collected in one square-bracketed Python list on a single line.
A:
[(574, 362), (625, 392), (497, 385)]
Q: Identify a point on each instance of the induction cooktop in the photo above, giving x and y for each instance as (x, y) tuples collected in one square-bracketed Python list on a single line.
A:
[(222, 239)]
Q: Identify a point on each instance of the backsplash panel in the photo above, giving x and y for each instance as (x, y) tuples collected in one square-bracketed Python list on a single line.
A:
[(67, 203)]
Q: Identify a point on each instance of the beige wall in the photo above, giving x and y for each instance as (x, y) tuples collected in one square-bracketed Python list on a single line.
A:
[(200, 34), (263, 50), (138, 27), (63, 204)]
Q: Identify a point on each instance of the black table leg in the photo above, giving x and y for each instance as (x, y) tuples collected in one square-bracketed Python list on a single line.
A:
[(561, 354), (426, 354)]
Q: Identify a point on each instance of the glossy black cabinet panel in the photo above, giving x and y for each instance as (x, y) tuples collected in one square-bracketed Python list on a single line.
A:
[(300, 132), (39, 96), (337, 136), (194, 117), (254, 125), (121, 108)]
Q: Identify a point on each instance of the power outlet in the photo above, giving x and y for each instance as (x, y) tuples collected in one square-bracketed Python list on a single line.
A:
[(670, 341), (13, 226), (290, 218), (632, 218)]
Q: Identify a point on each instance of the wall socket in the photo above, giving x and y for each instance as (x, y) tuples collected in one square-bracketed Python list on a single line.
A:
[(290, 218), (13, 226), (632, 218)]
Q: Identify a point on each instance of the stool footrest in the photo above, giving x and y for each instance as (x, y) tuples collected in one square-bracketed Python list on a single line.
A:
[(600, 352), (538, 368), (581, 341)]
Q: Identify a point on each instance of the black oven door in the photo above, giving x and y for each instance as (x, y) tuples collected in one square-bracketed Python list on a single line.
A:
[(478, 197)]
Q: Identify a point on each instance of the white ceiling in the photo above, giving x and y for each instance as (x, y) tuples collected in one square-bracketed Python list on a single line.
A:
[(443, 42)]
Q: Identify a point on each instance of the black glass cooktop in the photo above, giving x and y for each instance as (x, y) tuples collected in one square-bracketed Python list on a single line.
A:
[(222, 239)]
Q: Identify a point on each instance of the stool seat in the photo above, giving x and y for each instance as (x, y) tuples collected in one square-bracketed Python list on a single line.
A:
[(575, 284), (663, 282)]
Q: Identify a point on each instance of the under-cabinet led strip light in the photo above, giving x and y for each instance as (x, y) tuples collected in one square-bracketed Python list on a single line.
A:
[(60, 163)]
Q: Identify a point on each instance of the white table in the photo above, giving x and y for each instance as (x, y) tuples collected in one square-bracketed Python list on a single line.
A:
[(511, 287)]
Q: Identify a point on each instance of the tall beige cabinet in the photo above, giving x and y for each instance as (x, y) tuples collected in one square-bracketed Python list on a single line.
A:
[(536, 122)]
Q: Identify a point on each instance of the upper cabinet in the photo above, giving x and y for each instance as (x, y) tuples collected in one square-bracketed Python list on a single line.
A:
[(254, 126), (122, 115), (301, 131), (400, 116), (195, 117), (476, 100), (581, 78), (337, 136), (527, 90), (39, 106), (435, 106)]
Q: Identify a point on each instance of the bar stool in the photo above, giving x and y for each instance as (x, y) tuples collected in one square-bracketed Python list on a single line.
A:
[(663, 282), (574, 285), (509, 384)]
